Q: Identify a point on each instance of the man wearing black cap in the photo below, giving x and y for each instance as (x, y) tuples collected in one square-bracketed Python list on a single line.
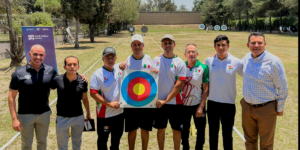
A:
[(105, 90)]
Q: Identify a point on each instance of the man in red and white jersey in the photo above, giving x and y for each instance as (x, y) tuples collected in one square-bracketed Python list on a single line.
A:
[(105, 90), (170, 82), (136, 118)]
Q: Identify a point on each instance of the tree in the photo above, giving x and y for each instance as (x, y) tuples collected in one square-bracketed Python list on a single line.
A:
[(29, 5), (83, 11), (17, 6), (182, 8), (195, 2), (16, 52), (51, 6), (198, 5), (125, 11)]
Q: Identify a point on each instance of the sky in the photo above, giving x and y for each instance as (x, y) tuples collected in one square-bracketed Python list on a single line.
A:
[(187, 3)]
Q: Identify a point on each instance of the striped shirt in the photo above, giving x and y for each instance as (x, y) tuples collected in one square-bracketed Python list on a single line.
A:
[(264, 80)]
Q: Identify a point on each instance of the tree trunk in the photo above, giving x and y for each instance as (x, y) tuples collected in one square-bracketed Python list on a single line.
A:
[(16, 53), (240, 23), (92, 33), (280, 23), (247, 28), (76, 36), (270, 21), (256, 24)]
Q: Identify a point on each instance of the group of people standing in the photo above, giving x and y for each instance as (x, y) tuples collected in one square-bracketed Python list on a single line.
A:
[(183, 88)]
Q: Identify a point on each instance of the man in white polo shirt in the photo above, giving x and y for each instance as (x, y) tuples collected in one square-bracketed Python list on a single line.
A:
[(170, 82), (136, 118), (105, 90), (222, 92), (194, 98)]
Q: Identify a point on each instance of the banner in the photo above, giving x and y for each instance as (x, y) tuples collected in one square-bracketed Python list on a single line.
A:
[(138, 89), (42, 36)]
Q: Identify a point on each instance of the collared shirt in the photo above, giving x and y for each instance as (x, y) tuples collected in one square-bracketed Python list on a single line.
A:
[(222, 77), (33, 87), (144, 63), (264, 80), (171, 70), (192, 88), (108, 85), (69, 95)]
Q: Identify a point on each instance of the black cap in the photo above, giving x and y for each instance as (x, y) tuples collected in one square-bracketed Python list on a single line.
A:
[(109, 50)]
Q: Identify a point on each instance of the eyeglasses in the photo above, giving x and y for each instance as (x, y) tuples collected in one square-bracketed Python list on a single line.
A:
[(258, 43)]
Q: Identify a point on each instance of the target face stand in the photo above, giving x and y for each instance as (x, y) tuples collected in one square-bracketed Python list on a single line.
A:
[(131, 30), (217, 27), (202, 26), (293, 28), (224, 27), (210, 27), (138, 89), (144, 29)]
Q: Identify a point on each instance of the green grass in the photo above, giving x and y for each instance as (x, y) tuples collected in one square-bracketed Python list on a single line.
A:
[(285, 47)]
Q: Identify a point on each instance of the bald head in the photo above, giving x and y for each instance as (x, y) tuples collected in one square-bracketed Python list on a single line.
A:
[(37, 47)]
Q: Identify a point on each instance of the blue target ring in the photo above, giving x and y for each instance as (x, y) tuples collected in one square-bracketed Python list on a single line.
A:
[(224, 27), (202, 26), (130, 77), (217, 27)]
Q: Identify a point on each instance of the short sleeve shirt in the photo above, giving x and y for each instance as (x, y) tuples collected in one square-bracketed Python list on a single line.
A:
[(156, 62), (33, 87), (69, 95), (108, 85), (144, 64), (171, 69), (192, 88), (222, 77)]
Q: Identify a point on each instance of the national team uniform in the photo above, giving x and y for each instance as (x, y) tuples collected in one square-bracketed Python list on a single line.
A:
[(156, 62), (139, 117), (221, 99), (191, 94), (171, 70), (109, 120)]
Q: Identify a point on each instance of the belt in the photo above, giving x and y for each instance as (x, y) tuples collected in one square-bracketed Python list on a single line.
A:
[(259, 105)]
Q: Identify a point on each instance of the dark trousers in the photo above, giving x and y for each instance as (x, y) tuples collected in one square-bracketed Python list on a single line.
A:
[(225, 113), (114, 126), (200, 123)]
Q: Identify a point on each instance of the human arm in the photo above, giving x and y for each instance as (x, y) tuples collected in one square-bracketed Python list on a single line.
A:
[(176, 89), (280, 82), (100, 99), (86, 104), (199, 112), (122, 65), (12, 108)]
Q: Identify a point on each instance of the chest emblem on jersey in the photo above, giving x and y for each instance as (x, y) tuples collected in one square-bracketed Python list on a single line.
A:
[(128, 66), (105, 79), (27, 77), (119, 74), (157, 63), (230, 67), (197, 71), (173, 66), (146, 66)]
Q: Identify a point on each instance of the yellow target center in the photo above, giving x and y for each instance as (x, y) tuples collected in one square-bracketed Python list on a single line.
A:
[(139, 89)]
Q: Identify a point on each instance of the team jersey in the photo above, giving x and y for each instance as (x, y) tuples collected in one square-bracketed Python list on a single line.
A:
[(171, 69), (107, 84), (195, 76), (156, 62), (144, 64), (222, 77)]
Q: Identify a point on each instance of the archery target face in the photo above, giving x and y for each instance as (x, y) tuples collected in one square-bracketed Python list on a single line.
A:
[(224, 27), (138, 89), (202, 26), (217, 27)]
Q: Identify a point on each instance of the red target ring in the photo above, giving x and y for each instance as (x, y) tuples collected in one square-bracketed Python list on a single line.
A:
[(144, 95)]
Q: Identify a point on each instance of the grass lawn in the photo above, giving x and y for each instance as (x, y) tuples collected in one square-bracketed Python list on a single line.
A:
[(283, 46)]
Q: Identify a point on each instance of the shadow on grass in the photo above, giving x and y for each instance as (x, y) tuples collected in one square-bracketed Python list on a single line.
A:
[(6, 69), (93, 42), (284, 34), (72, 48)]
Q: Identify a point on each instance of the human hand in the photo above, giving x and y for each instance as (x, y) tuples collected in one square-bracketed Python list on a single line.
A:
[(213, 55), (84, 78), (199, 112), (159, 103), (280, 113), (115, 105), (154, 71), (17, 125), (122, 65)]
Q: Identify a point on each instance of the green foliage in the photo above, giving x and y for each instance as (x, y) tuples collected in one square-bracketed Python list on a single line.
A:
[(125, 11), (182, 8), (51, 6)]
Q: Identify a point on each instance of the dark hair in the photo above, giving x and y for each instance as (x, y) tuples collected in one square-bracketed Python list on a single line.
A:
[(220, 38), (70, 57), (256, 34)]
